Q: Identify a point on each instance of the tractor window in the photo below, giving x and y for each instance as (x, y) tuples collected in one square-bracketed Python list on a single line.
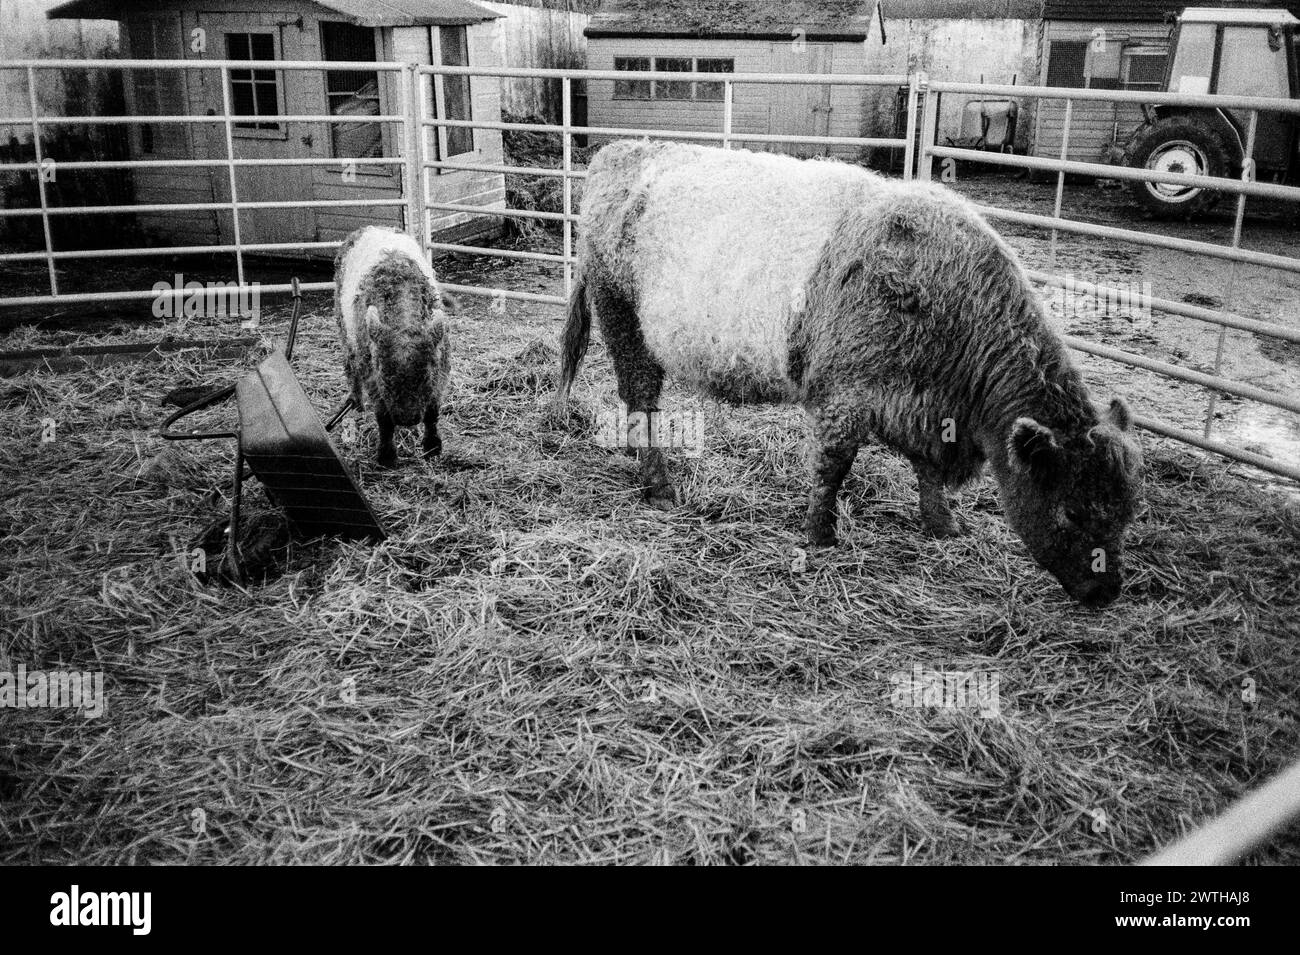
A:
[(1248, 67), (1194, 60)]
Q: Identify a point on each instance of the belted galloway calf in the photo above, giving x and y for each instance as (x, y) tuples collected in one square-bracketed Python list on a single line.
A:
[(393, 326)]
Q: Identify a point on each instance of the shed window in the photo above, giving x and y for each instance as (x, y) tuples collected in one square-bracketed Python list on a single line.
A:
[(1065, 63), (352, 92), (712, 91), (632, 89), (253, 92), (672, 89), (453, 43)]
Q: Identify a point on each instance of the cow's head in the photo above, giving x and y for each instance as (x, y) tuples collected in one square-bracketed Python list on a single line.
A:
[(1070, 497)]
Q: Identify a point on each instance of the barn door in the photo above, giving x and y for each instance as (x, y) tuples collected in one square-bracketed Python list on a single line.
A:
[(266, 94), (801, 109)]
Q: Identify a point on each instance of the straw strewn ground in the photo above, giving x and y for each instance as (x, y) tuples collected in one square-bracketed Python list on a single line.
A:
[(537, 668)]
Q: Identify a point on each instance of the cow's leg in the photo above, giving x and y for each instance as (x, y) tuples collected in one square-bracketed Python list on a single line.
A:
[(831, 459), (387, 456), (640, 380), (432, 443), (937, 518)]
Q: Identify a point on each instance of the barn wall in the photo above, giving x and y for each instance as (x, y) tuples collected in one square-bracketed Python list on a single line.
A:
[(749, 111), (999, 51), (1096, 129), (755, 107)]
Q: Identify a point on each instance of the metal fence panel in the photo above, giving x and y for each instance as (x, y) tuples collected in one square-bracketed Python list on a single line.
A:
[(416, 161)]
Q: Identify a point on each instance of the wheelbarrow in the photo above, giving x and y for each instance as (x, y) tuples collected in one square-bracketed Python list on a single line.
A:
[(286, 447)]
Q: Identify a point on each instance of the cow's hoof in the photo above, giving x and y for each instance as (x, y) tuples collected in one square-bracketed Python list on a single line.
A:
[(942, 530), (662, 498), (433, 450), (386, 459), (820, 536)]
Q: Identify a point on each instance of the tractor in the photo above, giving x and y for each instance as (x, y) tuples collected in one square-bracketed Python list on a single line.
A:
[(1233, 52)]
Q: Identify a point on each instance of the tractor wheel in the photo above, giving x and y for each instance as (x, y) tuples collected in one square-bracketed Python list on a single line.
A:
[(1177, 144)]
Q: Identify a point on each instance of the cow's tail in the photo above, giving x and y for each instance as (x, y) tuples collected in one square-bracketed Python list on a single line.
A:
[(575, 337)]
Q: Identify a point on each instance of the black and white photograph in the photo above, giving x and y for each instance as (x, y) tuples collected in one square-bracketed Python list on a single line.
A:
[(861, 433)]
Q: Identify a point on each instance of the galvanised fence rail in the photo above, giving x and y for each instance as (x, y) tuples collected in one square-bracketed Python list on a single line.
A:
[(1243, 188)]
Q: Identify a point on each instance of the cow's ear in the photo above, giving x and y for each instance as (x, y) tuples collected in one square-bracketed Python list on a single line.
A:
[(1033, 448), (1119, 414)]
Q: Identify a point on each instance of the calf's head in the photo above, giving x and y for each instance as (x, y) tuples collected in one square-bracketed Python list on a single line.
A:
[(403, 357), (1070, 497)]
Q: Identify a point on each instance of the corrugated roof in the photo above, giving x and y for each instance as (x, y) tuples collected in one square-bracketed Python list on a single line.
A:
[(834, 19), (1140, 11), (366, 13)]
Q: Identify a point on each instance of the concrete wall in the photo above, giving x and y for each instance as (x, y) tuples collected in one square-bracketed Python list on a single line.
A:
[(997, 51)]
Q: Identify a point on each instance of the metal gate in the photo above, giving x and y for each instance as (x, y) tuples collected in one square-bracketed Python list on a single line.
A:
[(1233, 253)]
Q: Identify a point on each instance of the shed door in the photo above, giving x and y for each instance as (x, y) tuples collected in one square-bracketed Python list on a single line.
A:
[(801, 109), (266, 94)]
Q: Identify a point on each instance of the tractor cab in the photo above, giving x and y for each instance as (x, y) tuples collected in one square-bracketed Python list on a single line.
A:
[(1231, 52)]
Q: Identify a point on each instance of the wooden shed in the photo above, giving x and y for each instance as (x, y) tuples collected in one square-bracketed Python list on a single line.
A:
[(450, 32), (712, 37), (1105, 44)]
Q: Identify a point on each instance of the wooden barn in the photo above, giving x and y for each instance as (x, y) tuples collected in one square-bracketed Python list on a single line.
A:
[(1105, 44), (451, 32), (712, 37)]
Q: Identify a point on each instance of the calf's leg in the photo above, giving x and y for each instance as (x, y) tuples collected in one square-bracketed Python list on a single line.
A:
[(830, 464), (640, 381), (387, 456), (432, 443)]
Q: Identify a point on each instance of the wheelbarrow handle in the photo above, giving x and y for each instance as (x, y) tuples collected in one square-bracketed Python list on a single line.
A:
[(293, 322), (211, 398), (347, 405)]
